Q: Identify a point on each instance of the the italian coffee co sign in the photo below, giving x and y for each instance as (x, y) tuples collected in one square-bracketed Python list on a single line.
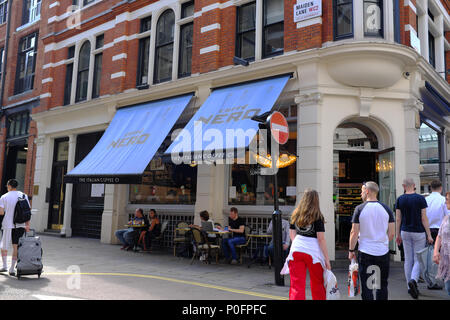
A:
[(307, 9)]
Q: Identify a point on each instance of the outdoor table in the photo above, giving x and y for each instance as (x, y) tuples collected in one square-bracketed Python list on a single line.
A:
[(259, 247)]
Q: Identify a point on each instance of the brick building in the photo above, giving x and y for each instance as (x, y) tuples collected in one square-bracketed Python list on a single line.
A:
[(365, 77)]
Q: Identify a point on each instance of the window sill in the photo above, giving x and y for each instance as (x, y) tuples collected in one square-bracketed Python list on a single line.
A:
[(27, 25), (20, 95), (143, 86)]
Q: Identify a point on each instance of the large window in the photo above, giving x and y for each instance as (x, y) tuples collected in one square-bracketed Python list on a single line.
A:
[(69, 75), (343, 19), (273, 29), (165, 183), (3, 11), (83, 72), (31, 11), (246, 31), (144, 51), (26, 63), (164, 47), (373, 18)]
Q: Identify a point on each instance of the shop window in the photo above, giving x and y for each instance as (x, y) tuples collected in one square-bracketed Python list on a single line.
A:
[(343, 19), (185, 59), (31, 11), (248, 187), (373, 18), (165, 183), (18, 125), (429, 157), (3, 11), (83, 72), (144, 52), (26, 63), (164, 47), (246, 31), (273, 29)]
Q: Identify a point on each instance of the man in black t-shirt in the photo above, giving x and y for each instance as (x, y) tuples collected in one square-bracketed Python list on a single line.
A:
[(237, 226)]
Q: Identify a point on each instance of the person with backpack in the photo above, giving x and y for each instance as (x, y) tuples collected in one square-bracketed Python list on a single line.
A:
[(15, 208)]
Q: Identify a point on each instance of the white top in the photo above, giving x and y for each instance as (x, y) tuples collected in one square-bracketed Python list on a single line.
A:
[(373, 218), (306, 245), (436, 210), (8, 203)]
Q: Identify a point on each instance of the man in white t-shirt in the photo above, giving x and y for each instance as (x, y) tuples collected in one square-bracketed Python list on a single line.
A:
[(437, 209), (374, 222), (11, 232)]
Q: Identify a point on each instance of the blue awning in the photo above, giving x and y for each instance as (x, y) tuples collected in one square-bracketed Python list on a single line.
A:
[(129, 143), (224, 122)]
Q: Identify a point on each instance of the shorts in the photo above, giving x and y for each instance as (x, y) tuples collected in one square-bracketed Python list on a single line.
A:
[(16, 234)]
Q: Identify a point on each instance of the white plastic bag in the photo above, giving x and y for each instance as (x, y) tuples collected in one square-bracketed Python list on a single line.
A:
[(353, 279), (331, 286)]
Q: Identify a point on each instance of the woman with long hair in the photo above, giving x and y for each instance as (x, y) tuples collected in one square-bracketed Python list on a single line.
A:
[(308, 249)]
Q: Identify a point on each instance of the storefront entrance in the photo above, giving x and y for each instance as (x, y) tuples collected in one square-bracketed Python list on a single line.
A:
[(357, 159)]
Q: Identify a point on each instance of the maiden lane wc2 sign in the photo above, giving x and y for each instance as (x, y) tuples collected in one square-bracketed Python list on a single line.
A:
[(307, 9)]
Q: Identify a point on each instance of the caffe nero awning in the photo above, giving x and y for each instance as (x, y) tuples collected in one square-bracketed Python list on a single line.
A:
[(224, 121), (129, 143)]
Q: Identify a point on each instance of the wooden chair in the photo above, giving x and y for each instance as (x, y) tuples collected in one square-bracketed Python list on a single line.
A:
[(243, 247), (202, 245), (179, 236)]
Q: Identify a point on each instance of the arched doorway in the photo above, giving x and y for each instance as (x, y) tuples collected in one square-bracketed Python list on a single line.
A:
[(361, 153)]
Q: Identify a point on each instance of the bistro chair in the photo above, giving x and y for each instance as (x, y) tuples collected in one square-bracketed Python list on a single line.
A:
[(243, 247), (159, 239), (179, 236), (202, 245)]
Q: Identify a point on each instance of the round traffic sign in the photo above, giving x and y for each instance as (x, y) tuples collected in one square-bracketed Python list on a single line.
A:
[(279, 127)]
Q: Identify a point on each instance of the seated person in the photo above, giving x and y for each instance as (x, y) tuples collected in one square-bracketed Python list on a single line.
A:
[(237, 227), (204, 217), (127, 236), (268, 249), (152, 232)]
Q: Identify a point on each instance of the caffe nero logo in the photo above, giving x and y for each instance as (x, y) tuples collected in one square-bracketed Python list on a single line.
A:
[(130, 138)]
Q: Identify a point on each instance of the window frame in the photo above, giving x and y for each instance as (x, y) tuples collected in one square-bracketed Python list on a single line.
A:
[(264, 26), (186, 74), (337, 37), (34, 6), (431, 49), (380, 32), (17, 119), (238, 44), (144, 45), (78, 97), (22, 87), (97, 77), (159, 47), (3, 11)]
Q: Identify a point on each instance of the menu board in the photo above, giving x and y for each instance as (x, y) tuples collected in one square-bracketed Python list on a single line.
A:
[(349, 196)]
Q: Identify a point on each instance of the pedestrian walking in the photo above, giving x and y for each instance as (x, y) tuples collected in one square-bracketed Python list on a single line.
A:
[(413, 230), (11, 232), (374, 223), (437, 209), (308, 249), (441, 255)]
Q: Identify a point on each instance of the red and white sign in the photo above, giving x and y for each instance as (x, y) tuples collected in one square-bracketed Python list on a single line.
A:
[(279, 127)]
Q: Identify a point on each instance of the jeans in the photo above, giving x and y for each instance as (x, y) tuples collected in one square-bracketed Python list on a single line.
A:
[(365, 262), (126, 236), (412, 243), (268, 250), (228, 245)]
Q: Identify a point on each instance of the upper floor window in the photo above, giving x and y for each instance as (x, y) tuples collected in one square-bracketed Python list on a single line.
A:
[(246, 31), (2, 50), (164, 47), (343, 19), (82, 2), (31, 11), (373, 18), (83, 72), (144, 52), (273, 28), (186, 36), (3, 11), (69, 75), (26, 63), (431, 50), (98, 60)]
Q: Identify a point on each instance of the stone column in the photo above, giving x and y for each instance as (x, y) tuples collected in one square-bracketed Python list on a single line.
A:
[(114, 214), (314, 154), (66, 230), (412, 154)]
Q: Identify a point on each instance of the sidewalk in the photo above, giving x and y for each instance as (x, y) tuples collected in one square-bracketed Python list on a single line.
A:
[(61, 254)]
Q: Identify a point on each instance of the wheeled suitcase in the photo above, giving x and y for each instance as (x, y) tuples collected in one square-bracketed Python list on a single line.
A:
[(29, 256)]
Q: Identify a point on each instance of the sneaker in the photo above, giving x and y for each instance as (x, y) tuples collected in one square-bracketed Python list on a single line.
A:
[(434, 287), (234, 261), (412, 284), (3, 269), (124, 248), (12, 273), (421, 280)]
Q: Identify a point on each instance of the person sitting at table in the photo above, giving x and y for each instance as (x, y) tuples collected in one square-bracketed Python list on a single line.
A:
[(286, 240), (237, 227), (127, 236), (152, 232), (204, 217)]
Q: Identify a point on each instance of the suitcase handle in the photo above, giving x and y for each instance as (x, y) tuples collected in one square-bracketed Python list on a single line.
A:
[(26, 233)]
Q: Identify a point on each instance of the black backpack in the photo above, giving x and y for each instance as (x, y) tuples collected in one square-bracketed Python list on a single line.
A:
[(22, 211)]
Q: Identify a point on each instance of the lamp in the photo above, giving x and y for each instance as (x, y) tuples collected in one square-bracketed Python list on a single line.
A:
[(283, 160)]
